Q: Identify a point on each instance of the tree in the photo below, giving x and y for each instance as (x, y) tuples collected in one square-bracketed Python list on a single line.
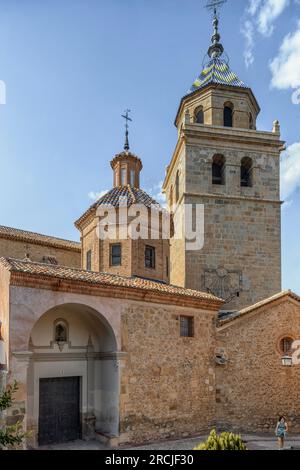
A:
[(10, 436)]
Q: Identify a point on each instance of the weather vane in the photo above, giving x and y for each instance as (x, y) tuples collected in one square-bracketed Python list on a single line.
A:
[(214, 5), (127, 119)]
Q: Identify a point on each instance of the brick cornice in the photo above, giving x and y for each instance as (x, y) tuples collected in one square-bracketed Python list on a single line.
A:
[(20, 279)]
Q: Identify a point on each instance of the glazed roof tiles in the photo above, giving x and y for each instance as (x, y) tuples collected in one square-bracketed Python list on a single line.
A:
[(37, 238), (131, 194), (120, 195), (100, 279), (217, 72)]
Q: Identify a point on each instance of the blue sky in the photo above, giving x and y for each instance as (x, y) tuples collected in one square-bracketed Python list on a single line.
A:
[(71, 67)]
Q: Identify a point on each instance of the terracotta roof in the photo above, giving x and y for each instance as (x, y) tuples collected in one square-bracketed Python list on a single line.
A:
[(119, 194), (38, 239), (102, 279), (258, 305)]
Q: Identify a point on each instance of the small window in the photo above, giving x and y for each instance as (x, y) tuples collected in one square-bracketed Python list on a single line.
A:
[(228, 115), (132, 178), (177, 186), (199, 116), (218, 170), (61, 335), (246, 172), (187, 327), (286, 345), (115, 254), (251, 124), (123, 176), (150, 257), (167, 266), (50, 260), (171, 198), (89, 260)]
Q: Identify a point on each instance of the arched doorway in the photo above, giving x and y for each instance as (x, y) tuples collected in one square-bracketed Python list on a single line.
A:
[(73, 377)]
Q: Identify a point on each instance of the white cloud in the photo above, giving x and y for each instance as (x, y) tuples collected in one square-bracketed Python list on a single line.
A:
[(290, 170), (260, 16), (253, 6), (95, 196), (268, 13), (285, 67), (157, 194), (248, 32)]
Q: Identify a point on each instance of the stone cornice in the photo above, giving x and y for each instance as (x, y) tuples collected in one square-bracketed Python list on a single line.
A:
[(203, 91), (237, 198), (214, 134)]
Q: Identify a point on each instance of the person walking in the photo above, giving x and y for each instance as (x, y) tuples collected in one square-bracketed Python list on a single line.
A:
[(281, 430)]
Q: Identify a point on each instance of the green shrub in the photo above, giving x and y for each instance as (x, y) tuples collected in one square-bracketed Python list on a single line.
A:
[(223, 441), (10, 436)]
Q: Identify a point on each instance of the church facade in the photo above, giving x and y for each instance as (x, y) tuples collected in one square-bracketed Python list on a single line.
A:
[(133, 339)]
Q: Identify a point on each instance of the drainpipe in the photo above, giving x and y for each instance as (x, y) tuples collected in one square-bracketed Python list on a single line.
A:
[(2, 363), (3, 374), (3, 371)]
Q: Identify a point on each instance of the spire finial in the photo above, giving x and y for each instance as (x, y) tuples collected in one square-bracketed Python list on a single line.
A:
[(127, 118), (216, 49)]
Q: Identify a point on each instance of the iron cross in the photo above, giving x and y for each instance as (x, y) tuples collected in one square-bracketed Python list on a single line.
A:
[(214, 5), (127, 119)]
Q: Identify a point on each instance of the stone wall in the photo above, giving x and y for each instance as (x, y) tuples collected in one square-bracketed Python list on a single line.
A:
[(19, 249), (253, 388), (167, 382), (242, 225), (241, 249)]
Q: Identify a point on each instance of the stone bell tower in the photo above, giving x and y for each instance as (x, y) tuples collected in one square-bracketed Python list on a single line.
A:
[(221, 161)]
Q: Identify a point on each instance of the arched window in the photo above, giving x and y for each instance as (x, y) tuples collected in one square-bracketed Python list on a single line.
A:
[(61, 332), (218, 170), (251, 124), (246, 172), (228, 114), (286, 345), (177, 187), (199, 115), (171, 199)]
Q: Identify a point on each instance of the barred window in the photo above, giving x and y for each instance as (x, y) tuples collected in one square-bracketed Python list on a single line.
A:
[(286, 345), (89, 260), (150, 257), (187, 327), (115, 254)]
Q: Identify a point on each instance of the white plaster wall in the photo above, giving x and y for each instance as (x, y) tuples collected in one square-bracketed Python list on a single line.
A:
[(27, 305)]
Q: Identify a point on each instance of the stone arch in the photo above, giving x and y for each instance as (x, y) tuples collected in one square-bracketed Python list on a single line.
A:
[(199, 115), (90, 358), (228, 114), (177, 186), (247, 172), (218, 169)]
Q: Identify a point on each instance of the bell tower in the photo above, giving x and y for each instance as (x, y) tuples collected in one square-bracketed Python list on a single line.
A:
[(224, 164)]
